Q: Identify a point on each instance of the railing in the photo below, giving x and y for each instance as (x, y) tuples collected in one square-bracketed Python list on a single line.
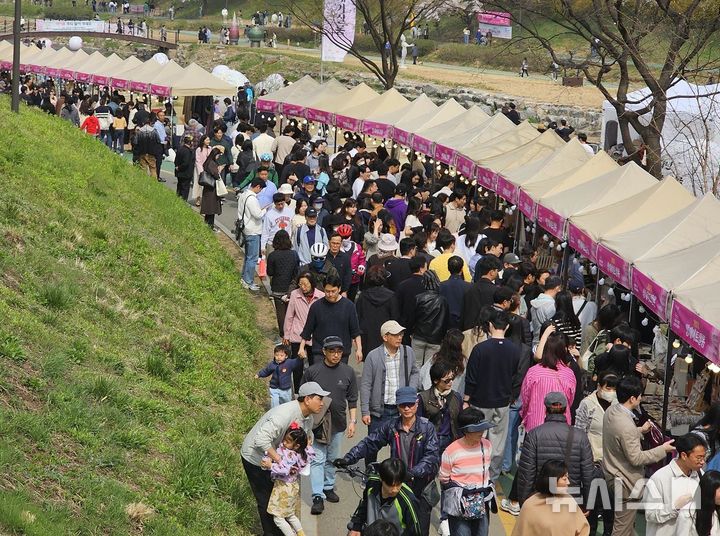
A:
[(109, 31)]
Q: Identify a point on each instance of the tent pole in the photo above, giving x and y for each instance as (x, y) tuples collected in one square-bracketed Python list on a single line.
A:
[(668, 375), (516, 238), (565, 265), (597, 287)]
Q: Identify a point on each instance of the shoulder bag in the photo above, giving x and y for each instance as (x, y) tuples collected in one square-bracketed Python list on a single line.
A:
[(206, 180)]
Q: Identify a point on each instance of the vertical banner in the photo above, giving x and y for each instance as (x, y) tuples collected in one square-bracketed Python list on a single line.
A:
[(338, 29)]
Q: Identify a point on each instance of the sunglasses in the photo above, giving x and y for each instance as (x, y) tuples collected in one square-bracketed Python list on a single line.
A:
[(447, 380), (407, 405), (318, 258)]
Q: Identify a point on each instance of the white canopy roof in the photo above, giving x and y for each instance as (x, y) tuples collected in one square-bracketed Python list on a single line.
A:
[(537, 148), (567, 158), (508, 141), (449, 110), (597, 165)]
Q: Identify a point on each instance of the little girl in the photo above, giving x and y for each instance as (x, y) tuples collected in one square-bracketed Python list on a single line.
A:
[(296, 454)]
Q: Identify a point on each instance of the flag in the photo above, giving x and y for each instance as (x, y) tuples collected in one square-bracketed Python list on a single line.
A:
[(338, 29)]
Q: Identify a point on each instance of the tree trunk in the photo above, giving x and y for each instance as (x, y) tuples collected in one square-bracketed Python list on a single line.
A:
[(653, 153)]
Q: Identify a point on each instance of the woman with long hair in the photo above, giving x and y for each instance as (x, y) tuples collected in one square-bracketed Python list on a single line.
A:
[(412, 219), (551, 510), (282, 266), (551, 374), (210, 205), (468, 239), (349, 215), (201, 154), (707, 515), (565, 319), (298, 220), (451, 351)]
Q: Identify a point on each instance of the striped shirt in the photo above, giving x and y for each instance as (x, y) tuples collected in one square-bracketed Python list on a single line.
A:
[(392, 376), (538, 382), (469, 467), (573, 333)]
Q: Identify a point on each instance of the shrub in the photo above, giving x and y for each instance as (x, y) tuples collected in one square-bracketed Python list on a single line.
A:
[(56, 296), (11, 348), (304, 36), (69, 13)]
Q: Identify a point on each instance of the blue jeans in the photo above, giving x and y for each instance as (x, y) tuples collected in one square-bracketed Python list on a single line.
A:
[(119, 141), (279, 396), (252, 252), (469, 527), (106, 137), (322, 471), (511, 445)]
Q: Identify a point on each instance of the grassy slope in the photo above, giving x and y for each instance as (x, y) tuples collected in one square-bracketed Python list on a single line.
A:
[(125, 345)]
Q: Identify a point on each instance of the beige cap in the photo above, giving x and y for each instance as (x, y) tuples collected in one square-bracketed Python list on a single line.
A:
[(391, 327)]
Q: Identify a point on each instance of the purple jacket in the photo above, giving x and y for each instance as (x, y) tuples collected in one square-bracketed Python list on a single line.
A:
[(398, 209)]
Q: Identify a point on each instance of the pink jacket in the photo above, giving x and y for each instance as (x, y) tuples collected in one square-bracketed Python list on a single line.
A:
[(201, 154), (297, 313), (538, 382)]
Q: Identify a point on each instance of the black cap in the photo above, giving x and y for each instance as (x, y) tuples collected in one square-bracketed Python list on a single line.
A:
[(311, 213)]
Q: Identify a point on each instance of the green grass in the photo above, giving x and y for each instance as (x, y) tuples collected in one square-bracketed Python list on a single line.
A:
[(124, 345)]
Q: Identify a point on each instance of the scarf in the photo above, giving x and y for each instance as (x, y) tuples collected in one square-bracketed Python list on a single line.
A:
[(441, 396)]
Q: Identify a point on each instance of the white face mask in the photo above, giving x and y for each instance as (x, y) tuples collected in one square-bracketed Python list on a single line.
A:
[(609, 396)]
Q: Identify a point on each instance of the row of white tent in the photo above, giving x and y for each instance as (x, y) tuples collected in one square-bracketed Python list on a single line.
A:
[(129, 74), (653, 237)]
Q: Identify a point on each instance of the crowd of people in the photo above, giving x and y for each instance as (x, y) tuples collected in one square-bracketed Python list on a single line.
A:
[(467, 341)]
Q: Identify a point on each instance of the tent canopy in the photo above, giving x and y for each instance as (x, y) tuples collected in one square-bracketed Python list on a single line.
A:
[(448, 110), (421, 106), (384, 103), (282, 94), (331, 88), (471, 119), (520, 135), (196, 81), (538, 147), (360, 94), (567, 158), (482, 133)]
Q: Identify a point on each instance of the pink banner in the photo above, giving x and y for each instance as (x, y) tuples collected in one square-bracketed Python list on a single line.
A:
[(84, 77), (444, 154), (486, 178), (613, 265), (698, 333), (465, 165), (496, 18), (403, 137), (6, 64), (319, 116), (293, 109), (66, 74), (552, 222), (161, 91), (526, 204), (506, 189), (101, 80), (581, 242), (141, 87), (266, 106), (379, 130), (52, 71), (422, 145), (118, 84), (348, 123), (650, 293)]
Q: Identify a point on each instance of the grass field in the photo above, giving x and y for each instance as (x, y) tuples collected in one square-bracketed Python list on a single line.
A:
[(125, 346)]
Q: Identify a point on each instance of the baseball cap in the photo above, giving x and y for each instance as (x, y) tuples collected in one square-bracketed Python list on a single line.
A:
[(392, 327), (511, 258), (387, 242), (311, 213), (555, 398), (333, 341), (285, 189), (312, 388), (406, 395), (479, 426), (266, 157), (308, 179)]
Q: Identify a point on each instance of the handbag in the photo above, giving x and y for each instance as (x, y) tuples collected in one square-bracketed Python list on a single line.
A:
[(206, 180), (322, 424), (473, 504), (220, 188)]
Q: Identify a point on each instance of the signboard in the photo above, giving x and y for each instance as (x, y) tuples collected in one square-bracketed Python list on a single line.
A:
[(293, 109), (501, 32), (650, 293), (422, 145), (266, 105), (582, 242), (526, 204), (348, 123), (311, 114), (379, 130), (403, 137), (506, 189), (495, 18), (444, 154), (47, 25), (465, 165), (338, 29), (551, 221), (701, 335), (486, 178), (613, 265)]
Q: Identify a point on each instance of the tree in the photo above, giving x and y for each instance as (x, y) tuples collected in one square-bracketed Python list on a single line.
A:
[(465, 9), (655, 41), (384, 21)]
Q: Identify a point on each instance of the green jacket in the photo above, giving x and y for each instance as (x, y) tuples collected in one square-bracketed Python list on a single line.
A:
[(272, 177)]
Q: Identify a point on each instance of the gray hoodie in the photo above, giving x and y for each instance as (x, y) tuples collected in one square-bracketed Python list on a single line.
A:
[(543, 309)]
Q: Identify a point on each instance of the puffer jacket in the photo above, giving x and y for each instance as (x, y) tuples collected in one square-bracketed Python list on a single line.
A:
[(549, 441), (423, 461), (375, 306), (431, 317)]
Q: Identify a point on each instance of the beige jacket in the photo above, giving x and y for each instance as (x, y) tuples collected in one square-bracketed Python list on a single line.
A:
[(623, 455), (556, 516), (454, 217)]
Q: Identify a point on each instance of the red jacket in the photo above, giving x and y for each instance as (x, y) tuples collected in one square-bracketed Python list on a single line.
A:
[(91, 125)]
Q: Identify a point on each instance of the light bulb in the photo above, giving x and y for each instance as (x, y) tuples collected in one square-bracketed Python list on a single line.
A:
[(559, 247), (593, 270), (689, 360), (432, 161), (446, 172), (641, 309), (545, 237), (281, 116), (394, 145), (513, 207), (601, 281), (611, 292), (628, 297), (486, 194), (645, 322), (676, 343), (527, 229), (564, 245), (551, 244)]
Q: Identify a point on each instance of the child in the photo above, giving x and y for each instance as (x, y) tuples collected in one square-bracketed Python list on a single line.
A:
[(296, 454), (280, 370)]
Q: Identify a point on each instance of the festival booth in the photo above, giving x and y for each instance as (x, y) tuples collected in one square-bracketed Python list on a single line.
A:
[(29, 56), (272, 102), (381, 125), (325, 112), (46, 64), (80, 64), (424, 138), (329, 90), (100, 73), (122, 78), (194, 81), (405, 129), (447, 147), (295, 101), (566, 159), (351, 117)]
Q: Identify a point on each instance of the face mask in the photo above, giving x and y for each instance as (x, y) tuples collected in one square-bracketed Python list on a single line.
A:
[(318, 263), (608, 396)]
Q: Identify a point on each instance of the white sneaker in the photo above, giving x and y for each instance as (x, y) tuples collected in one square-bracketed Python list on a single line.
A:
[(511, 508), (249, 286), (444, 528)]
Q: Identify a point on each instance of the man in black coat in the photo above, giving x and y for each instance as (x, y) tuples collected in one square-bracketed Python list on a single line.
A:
[(407, 293), (482, 292), (184, 167)]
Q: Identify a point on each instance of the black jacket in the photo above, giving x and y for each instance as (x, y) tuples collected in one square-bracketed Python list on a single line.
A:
[(431, 317), (549, 441), (184, 163), (374, 306), (341, 262), (406, 295), (477, 297)]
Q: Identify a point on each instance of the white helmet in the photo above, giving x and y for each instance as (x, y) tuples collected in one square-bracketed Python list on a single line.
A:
[(318, 250)]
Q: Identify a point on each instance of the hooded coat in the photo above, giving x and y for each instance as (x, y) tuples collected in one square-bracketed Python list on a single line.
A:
[(374, 306)]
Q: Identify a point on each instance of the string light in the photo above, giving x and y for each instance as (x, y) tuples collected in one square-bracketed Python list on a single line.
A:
[(676, 343), (645, 322), (641, 309), (689, 360)]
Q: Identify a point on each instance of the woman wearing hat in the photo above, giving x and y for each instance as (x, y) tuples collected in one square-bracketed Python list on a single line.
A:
[(468, 494)]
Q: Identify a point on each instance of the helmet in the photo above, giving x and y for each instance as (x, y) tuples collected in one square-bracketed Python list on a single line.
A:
[(266, 157), (344, 230), (318, 250)]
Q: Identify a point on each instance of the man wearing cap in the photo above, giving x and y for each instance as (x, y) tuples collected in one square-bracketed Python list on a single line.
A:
[(320, 267), (308, 233), (265, 161), (308, 192), (259, 447), (339, 379), (412, 439), (277, 217), (185, 167), (287, 190), (510, 265), (555, 440), (333, 315)]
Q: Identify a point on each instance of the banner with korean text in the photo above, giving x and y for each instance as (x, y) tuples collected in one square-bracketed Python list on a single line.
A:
[(338, 29)]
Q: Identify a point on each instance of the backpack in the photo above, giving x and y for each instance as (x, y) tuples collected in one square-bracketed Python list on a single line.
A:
[(357, 263)]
